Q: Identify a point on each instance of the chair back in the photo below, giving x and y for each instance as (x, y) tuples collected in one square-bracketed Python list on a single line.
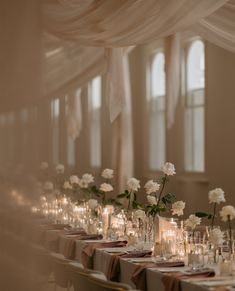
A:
[(78, 276), (100, 284)]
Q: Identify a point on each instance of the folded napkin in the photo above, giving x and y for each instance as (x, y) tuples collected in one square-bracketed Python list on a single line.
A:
[(139, 274), (89, 249), (70, 245), (114, 264), (58, 226), (75, 231), (172, 281)]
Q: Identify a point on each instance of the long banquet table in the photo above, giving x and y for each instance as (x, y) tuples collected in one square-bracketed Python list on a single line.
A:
[(30, 232)]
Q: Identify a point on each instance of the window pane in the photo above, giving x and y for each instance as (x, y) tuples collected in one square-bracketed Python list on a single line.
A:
[(196, 66), (95, 122), (158, 75), (198, 139), (188, 143), (194, 111)]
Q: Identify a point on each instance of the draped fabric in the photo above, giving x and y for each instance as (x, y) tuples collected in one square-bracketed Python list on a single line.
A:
[(219, 28), (74, 114), (122, 138), (115, 82), (122, 23), (172, 53)]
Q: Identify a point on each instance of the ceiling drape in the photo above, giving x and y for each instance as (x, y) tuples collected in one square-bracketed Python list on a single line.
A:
[(112, 23)]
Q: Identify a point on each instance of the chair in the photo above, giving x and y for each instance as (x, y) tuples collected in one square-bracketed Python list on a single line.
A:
[(60, 271), (78, 276), (99, 283)]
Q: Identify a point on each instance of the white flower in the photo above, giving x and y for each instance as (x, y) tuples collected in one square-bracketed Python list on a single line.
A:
[(151, 200), (67, 185), (139, 214), (227, 211), (151, 187), (59, 169), (178, 208), (44, 166), (105, 187), (168, 169), (87, 178), (82, 184), (133, 184), (48, 186), (216, 196), (216, 237), (92, 203), (107, 173), (74, 179), (192, 221)]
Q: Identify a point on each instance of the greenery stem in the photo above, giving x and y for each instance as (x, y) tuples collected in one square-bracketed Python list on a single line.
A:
[(163, 186), (129, 201), (104, 199), (230, 235), (213, 217)]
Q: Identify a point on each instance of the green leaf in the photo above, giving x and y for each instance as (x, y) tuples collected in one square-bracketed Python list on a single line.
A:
[(168, 198), (202, 214), (122, 195)]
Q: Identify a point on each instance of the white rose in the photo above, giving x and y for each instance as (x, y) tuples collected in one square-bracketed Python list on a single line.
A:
[(92, 203), (151, 200), (83, 184), (227, 211), (67, 185), (87, 178), (133, 184), (74, 179), (178, 208), (105, 187), (216, 196), (48, 186), (151, 187), (192, 221), (168, 169), (107, 174), (139, 214), (216, 237), (59, 169), (44, 166)]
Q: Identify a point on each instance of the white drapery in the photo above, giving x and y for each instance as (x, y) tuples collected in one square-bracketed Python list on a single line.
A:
[(74, 114), (219, 28), (112, 23)]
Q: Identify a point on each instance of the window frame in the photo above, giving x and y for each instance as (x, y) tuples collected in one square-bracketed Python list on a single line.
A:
[(187, 44)]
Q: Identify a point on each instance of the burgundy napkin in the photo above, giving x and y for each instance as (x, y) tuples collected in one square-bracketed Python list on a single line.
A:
[(139, 274), (114, 264), (70, 245), (89, 249), (172, 281)]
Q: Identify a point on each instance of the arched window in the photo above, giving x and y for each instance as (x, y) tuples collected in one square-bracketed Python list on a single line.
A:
[(194, 107), (95, 101), (156, 112)]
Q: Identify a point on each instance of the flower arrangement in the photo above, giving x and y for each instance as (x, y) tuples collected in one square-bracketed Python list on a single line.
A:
[(130, 193), (161, 202), (215, 196)]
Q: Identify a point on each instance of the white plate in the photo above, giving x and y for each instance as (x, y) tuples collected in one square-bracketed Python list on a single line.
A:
[(140, 260), (172, 269), (117, 249)]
